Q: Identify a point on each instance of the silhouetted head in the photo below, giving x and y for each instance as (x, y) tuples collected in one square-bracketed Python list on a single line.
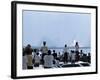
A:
[(59, 52), (37, 53), (44, 43), (49, 52), (28, 45), (53, 51), (65, 45), (76, 43), (81, 51), (72, 51)]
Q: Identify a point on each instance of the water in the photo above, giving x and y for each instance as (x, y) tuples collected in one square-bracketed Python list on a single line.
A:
[(85, 50)]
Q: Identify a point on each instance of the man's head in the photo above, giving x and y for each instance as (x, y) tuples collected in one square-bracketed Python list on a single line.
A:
[(44, 43), (81, 51), (49, 52), (76, 43), (37, 53), (53, 51), (28, 45), (65, 45)]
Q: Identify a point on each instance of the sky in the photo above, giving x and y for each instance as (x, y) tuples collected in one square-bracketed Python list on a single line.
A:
[(56, 28)]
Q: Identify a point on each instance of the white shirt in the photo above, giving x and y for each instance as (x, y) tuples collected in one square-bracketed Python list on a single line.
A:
[(76, 47), (37, 58), (44, 49), (48, 60), (73, 56), (65, 49)]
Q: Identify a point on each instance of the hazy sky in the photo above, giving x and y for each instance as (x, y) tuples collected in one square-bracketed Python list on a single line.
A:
[(56, 28)]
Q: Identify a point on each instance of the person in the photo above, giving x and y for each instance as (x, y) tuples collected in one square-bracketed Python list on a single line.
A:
[(65, 48), (57, 60), (84, 58), (44, 50), (48, 60), (81, 54), (54, 54), (77, 51), (77, 56), (65, 56), (73, 56), (69, 57), (36, 60), (28, 51), (24, 66), (89, 58), (77, 47), (59, 56)]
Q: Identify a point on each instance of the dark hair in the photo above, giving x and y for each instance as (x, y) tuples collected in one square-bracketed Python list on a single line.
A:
[(49, 52), (53, 50), (76, 43), (81, 50), (28, 45), (72, 51), (44, 42), (65, 45), (37, 53), (59, 52)]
